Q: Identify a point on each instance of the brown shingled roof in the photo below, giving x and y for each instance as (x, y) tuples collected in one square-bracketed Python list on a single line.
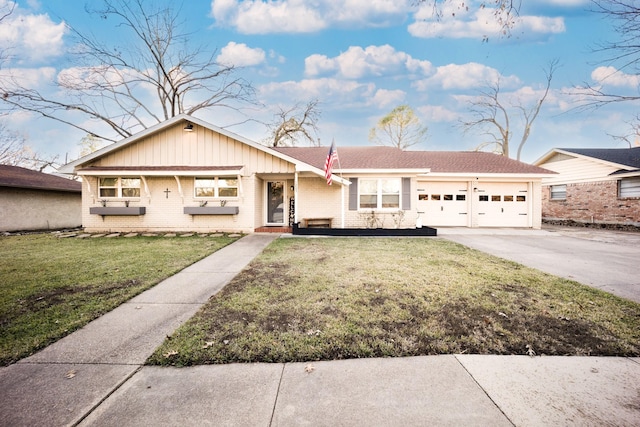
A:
[(393, 158), (17, 177)]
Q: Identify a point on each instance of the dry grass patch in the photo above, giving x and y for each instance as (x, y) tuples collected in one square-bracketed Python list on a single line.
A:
[(50, 287), (323, 299)]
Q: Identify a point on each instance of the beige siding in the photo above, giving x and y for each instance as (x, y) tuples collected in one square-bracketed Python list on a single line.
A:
[(202, 147), (38, 210), (574, 170)]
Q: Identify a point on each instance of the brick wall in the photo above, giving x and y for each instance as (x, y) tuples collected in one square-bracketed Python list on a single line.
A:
[(591, 202)]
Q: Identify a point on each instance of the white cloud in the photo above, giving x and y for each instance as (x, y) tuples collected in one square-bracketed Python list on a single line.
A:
[(465, 76), (337, 92), (610, 76), (31, 37), (301, 16), (438, 113), (27, 77), (357, 62), (240, 55), (477, 23), (384, 98)]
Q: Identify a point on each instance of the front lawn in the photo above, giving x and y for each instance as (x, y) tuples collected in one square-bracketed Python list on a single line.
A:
[(322, 299), (50, 286)]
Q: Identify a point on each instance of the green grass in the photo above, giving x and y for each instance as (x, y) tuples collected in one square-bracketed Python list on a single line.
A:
[(324, 299), (50, 286)]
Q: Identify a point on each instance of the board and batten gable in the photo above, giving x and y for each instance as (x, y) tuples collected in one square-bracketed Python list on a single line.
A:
[(201, 147)]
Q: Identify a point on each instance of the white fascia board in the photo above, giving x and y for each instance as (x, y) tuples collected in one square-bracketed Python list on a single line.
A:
[(356, 172), (485, 176), (167, 172)]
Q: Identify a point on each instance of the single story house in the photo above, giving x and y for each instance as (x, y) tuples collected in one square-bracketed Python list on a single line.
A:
[(188, 175), (592, 185), (32, 200)]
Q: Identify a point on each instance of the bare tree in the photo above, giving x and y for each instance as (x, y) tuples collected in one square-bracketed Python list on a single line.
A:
[(401, 128), (623, 52), (493, 118), (111, 84), (15, 152), (295, 123)]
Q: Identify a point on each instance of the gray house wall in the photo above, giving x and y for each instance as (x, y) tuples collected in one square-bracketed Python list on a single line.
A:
[(23, 209)]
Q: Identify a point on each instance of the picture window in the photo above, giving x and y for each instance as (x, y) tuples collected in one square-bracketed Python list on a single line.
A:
[(383, 193)]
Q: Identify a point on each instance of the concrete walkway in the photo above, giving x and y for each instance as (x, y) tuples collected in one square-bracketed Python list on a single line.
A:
[(95, 377)]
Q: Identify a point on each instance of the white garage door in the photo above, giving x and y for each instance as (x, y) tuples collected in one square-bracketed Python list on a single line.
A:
[(443, 203), (501, 205)]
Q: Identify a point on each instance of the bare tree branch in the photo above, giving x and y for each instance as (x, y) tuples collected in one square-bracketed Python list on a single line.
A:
[(490, 116), (113, 85), (294, 123)]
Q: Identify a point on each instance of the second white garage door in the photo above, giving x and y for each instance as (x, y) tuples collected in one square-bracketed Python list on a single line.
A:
[(500, 204)]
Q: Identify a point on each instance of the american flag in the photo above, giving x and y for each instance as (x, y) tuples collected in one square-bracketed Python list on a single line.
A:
[(328, 164)]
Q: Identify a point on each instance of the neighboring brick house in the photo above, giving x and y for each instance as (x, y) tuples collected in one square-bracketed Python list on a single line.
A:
[(188, 175), (592, 185), (31, 200)]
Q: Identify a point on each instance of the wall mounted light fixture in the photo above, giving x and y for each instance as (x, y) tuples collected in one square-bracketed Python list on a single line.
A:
[(188, 127)]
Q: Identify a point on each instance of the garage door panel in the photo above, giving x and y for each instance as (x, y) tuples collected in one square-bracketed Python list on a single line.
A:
[(443, 203), (502, 205)]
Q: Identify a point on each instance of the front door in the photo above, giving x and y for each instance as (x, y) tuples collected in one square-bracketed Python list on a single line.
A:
[(275, 203)]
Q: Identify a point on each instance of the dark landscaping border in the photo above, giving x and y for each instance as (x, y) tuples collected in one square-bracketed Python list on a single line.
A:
[(365, 232)]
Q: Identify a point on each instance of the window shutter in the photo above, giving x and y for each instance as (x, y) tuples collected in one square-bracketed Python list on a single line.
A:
[(353, 194), (406, 194)]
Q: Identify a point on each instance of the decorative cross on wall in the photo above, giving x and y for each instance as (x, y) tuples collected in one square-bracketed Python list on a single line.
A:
[(166, 192)]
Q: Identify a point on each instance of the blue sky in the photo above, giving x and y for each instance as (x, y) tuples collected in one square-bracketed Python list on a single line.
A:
[(360, 59)]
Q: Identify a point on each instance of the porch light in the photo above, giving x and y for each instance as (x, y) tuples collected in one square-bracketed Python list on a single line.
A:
[(188, 127)]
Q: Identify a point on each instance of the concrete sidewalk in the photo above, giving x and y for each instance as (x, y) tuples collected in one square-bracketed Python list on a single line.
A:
[(95, 377), (64, 382)]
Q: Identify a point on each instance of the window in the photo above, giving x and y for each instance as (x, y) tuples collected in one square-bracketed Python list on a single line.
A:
[(559, 192), (423, 197), (448, 197), (483, 198), (629, 187), (461, 197), (119, 187), (223, 186), (508, 198), (495, 198), (435, 197), (521, 198), (381, 193)]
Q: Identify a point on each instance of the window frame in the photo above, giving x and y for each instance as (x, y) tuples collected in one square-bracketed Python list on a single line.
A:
[(562, 194), (629, 179), (119, 187), (381, 197), (217, 187)]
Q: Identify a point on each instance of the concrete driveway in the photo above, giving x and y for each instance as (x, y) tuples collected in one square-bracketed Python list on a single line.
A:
[(607, 260)]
